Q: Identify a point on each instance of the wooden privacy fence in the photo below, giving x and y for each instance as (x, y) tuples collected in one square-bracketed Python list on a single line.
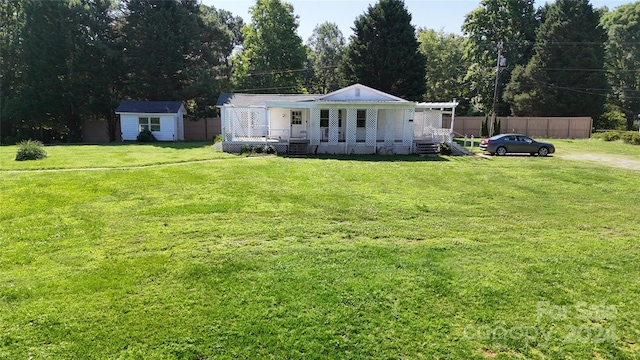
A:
[(202, 129), (199, 130), (540, 127)]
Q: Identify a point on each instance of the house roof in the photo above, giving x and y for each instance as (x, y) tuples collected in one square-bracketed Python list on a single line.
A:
[(245, 100), (356, 93), (359, 93), (150, 107)]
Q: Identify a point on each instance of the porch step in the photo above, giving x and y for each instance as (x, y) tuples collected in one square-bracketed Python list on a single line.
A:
[(299, 148), (426, 148)]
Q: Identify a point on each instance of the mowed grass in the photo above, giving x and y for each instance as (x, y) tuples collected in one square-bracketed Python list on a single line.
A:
[(506, 258), (111, 155)]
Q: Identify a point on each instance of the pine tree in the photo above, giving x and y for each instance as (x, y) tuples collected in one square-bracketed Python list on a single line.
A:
[(564, 77), (383, 52), (59, 67), (273, 56)]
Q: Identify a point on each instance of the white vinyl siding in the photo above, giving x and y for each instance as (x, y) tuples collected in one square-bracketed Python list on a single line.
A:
[(168, 126)]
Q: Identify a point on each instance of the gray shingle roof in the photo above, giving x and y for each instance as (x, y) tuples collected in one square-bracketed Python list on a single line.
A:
[(260, 99), (151, 107)]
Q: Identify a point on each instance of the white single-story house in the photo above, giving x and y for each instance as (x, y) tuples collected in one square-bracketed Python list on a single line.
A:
[(353, 120), (165, 119)]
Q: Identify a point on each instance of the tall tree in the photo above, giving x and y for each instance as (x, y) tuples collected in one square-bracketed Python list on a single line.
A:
[(383, 52), (11, 67), (623, 58), (511, 22), (326, 48), (564, 77), (446, 66), (273, 56), (60, 48), (173, 52)]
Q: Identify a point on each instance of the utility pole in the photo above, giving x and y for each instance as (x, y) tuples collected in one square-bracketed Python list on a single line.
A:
[(499, 63)]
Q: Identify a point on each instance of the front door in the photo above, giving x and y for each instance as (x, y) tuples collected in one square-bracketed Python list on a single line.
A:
[(298, 125)]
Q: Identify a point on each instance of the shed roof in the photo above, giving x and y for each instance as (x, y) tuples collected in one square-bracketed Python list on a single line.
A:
[(150, 107)]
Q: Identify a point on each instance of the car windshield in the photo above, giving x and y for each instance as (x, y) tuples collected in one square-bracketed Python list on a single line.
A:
[(495, 137)]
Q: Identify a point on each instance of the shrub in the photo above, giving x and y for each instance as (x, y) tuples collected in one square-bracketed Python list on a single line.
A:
[(631, 137), (607, 136), (146, 136), (30, 150), (445, 149), (628, 137), (217, 139), (244, 149), (484, 131), (257, 149), (496, 126), (271, 150)]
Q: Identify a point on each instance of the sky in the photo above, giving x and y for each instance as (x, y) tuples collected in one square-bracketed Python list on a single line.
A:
[(432, 14)]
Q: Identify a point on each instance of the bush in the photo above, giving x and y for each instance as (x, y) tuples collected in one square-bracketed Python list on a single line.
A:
[(146, 136), (628, 137), (445, 149), (217, 139), (631, 137), (484, 131), (271, 150), (30, 150), (496, 126), (607, 136)]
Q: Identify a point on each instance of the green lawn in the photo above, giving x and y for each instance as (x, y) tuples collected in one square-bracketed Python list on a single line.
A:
[(374, 257), (113, 155)]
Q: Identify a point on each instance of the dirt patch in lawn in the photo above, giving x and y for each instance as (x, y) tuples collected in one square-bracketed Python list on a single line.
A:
[(607, 159)]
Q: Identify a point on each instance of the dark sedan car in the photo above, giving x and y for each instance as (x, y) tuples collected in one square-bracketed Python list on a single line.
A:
[(515, 143)]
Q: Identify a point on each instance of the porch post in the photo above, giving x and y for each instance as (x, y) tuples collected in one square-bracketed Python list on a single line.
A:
[(407, 138), (314, 127), (352, 123), (372, 127), (390, 126), (333, 126), (453, 115)]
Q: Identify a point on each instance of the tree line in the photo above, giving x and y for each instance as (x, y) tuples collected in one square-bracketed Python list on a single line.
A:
[(64, 62)]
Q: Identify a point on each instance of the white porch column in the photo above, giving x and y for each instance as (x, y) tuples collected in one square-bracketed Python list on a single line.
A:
[(314, 127), (407, 139), (389, 127), (352, 125), (333, 126), (453, 115), (372, 127)]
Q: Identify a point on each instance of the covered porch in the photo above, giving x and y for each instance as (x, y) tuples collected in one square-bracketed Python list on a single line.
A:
[(353, 120)]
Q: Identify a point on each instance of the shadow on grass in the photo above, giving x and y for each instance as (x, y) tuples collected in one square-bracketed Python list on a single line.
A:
[(375, 158), (159, 144)]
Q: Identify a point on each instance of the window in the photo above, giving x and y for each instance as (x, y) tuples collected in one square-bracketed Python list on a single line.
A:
[(296, 117), (149, 123), (324, 118), (362, 118)]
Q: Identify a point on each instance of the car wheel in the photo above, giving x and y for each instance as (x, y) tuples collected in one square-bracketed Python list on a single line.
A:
[(501, 151), (543, 151)]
